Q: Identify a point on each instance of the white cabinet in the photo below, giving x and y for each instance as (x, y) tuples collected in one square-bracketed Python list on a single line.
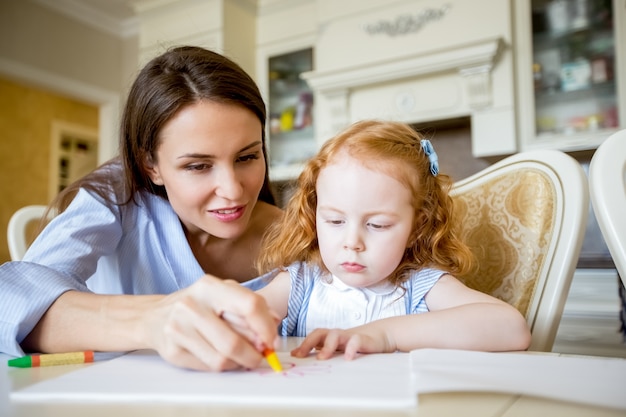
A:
[(291, 138), (571, 62), (285, 49)]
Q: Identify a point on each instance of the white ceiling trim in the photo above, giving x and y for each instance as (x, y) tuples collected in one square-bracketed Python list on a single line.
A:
[(122, 28)]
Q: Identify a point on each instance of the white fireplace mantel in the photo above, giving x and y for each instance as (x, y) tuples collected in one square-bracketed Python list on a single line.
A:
[(435, 72), (462, 58), (460, 84)]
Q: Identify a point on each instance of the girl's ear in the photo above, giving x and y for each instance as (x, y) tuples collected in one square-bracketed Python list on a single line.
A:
[(153, 171)]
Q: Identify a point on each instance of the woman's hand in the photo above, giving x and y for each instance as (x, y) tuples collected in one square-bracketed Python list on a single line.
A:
[(187, 327), (363, 339)]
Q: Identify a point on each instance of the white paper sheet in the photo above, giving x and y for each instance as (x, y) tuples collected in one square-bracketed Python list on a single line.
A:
[(370, 381), (583, 379)]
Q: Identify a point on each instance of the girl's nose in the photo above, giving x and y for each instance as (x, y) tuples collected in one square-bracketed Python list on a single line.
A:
[(355, 248), (353, 241)]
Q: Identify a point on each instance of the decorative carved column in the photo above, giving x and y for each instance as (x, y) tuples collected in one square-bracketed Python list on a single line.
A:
[(478, 84)]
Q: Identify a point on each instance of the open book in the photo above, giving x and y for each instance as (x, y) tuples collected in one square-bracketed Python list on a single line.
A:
[(583, 379)]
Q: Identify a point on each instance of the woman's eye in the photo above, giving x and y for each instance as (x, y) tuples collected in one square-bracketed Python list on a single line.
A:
[(334, 222), (197, 167), (249, 157)]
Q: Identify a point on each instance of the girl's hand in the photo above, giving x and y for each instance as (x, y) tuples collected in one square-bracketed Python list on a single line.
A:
[(350, 341), (188, 330)]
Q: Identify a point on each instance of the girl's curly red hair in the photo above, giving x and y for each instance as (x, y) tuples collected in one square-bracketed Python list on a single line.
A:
[(394, 149)]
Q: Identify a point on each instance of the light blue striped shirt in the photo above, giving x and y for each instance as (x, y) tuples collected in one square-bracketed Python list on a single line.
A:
[(132, 249), (305, 278)]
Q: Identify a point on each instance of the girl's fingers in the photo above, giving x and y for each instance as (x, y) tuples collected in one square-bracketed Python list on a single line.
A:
[(330, 341), (353, 346), (326, 341), (309, 343), (331, 344)]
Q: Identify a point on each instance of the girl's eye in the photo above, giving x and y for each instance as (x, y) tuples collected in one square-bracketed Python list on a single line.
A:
[(378, 226), (334, 222), (249, 157)]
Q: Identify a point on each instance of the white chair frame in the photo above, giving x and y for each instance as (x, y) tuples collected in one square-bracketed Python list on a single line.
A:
[(16, 230), (607, 188)]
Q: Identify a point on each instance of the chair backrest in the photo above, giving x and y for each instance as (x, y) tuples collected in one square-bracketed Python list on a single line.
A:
[(607, 188), (18, 228), (524, 219)]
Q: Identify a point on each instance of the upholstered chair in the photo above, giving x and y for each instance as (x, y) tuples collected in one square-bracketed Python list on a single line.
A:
[(524, 219)]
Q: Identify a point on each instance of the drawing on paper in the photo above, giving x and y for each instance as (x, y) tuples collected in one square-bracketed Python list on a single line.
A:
[(290, 369)]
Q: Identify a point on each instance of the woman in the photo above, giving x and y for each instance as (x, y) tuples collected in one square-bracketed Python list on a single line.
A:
[(130, 261)]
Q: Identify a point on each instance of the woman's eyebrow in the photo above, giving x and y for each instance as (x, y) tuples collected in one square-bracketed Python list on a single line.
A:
[(252, 145), (209, 156), (196, 156)]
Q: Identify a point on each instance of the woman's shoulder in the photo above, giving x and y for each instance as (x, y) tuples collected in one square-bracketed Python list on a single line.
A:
[(267, 211), (264, 216), (143, 207)]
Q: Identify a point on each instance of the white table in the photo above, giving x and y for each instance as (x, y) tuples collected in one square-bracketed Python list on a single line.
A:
[(440, 405)]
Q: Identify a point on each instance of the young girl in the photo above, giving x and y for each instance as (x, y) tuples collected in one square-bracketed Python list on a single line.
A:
[(366, 248)]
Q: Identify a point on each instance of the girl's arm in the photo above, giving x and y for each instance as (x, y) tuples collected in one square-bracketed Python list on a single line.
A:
[(458, 318), (276, 293)]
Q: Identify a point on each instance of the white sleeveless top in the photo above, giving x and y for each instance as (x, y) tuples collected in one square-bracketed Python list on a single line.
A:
[(316, 301)]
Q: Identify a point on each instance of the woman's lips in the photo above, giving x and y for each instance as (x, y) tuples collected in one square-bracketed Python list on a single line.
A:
[(228, 214)]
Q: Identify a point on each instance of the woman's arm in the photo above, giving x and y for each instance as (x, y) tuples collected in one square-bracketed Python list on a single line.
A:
[(458, 318), (185, 328), (49, 308), (60, 260)]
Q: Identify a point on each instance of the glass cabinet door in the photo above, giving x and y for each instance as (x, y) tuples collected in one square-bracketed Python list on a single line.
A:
[(291, 136), (574, 67)]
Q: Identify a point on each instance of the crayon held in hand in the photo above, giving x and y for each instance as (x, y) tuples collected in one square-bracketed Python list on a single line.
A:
[(240, 325), (272, 359)]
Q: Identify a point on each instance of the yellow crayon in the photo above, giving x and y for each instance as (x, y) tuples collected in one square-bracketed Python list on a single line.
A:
[(272, 359)]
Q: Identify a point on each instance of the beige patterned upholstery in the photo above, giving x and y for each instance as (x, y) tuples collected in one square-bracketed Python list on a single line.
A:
[(524, 218)]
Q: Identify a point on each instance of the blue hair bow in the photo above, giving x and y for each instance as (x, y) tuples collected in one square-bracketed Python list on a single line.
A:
[(432, 156)]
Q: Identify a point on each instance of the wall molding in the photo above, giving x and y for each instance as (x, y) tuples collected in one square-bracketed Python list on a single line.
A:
[(455, 59), (91, 16), (107, 101)]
